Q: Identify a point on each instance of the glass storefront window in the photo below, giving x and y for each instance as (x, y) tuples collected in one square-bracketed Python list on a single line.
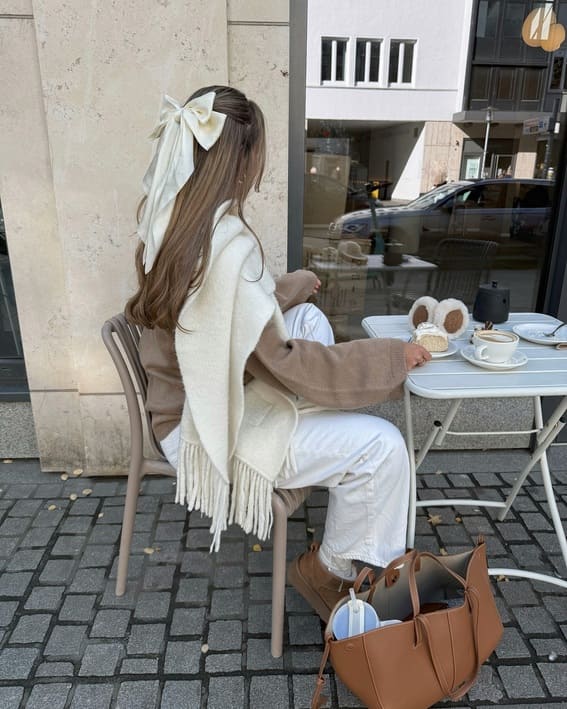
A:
[(13, 381), (394, 207)]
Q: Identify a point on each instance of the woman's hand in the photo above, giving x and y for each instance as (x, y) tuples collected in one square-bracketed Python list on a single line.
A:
[(415, 355)]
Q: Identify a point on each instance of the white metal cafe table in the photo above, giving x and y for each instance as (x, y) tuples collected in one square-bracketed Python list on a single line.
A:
[(453, 378)]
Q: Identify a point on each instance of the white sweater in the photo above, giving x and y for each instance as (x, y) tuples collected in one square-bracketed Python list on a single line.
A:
[(234, 439)]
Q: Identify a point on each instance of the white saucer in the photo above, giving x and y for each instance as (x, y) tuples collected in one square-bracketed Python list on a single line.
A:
[(451, 349), (516, 360), (535, 332)]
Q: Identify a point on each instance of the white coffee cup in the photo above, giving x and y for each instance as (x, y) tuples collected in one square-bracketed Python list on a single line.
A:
[(494, 345)]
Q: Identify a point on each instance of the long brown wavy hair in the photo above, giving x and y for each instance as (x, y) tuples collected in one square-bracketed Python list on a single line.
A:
[(228, 171)]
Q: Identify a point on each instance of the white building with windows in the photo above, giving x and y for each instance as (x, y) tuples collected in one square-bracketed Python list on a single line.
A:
[(390, 77)]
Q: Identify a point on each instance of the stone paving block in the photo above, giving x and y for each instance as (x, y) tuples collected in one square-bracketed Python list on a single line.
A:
[(139, 666), (511, 645), (555, 676), (14, 526), (45, 598), (112, 515), (546, 646), (260, 588), (135, 566), (142, 540), (7, 610), (30, 629), (173, 512), (260, 562), (521, 682), (225, 635), (96, 555), (127, 600), (152, 605), (536, 522), (226, 692), (17, 492), (68, 545), (305, 630), (110, 624), (77, 607), (229, 552), (25, 508), (196, 563), (269, 691), (146, 639), (512, 531), (548, 541), (229, 577), (556, 605), (169, 530), (181, 694), (105, 534), (193, 590), (104, 489), (66, 641), (294, 602), (534, 621), (49, 518), (10, 697), (258, 655), (76, 525), (14, 584), (182, 657), (16, 663), (57, 571), (55, 669), (7, 546), (303, 686), (345, 696), (84, 506), (100, 659), (88, 581), (47, 492), (305, 659), (259, 618), (138, 695), (166, 552), (220, 663), (199, 539), (528, 555), (188, 621), (159, 577), (518, 593), (487, 688), (227, 604), (48, 696)]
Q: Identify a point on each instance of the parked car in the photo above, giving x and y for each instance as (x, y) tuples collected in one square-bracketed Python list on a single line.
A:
[(510, 211)]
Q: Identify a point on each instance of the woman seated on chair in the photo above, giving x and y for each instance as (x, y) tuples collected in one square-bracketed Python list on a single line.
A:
[(245, 381)]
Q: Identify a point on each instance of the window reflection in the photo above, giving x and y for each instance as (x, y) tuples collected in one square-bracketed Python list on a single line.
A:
[(396, 140)]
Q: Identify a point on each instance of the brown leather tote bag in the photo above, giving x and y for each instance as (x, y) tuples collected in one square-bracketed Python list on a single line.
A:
[(450, 626)]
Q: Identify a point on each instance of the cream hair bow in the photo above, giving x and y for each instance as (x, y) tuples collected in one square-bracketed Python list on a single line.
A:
[(172, 164)]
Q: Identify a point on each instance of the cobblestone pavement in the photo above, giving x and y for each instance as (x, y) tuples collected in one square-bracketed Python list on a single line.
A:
[(193, 628)]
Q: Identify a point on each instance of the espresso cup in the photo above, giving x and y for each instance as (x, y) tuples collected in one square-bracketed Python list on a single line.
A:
[(494, 345)]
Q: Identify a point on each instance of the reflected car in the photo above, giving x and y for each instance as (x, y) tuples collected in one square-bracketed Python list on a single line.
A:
[(510, 211)]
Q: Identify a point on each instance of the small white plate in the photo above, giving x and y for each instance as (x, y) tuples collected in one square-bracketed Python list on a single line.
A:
[(516, 360), (535, 332), (451, 349)]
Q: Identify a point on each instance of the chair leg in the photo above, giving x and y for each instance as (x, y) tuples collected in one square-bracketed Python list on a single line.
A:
[(279, 535), (128, 518)]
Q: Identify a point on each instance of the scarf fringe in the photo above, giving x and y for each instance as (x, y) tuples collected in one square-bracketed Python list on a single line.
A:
[(201, 487)]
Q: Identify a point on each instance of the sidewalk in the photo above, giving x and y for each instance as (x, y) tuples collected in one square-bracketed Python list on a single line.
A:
[(192, 630)]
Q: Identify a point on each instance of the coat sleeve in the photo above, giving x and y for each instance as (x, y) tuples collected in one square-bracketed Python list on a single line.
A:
[(344, 376), (294, 288)]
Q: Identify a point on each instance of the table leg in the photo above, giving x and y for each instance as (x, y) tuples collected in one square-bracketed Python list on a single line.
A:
[(410, 534), (438, 432)]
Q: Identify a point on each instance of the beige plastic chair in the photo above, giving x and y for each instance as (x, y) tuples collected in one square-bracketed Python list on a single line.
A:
[(122, 341)]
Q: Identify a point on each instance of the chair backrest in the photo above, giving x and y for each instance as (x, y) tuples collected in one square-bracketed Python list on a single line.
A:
[(122, 341), (462, 265)]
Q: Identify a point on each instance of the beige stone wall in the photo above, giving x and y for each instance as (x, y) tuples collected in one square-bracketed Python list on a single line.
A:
[(81, 89), (442, 153)]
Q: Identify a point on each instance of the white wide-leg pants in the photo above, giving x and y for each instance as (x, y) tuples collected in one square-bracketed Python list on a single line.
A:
[(361, 459)]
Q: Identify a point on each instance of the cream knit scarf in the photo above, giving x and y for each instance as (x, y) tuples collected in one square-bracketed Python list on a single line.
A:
[(234, 439)]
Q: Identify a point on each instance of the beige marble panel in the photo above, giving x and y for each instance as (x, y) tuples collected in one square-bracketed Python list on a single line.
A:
[(104, 68), (26, 191), (16, 7), (259, 65), (258, 11), (106, 433), (58, 429), (525, 163)]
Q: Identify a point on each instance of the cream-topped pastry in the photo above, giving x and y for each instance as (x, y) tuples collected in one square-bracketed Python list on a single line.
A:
[(431, 337)]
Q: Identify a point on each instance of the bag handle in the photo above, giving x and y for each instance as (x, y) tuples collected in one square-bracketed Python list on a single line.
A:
[(320, 700), (452, 692)]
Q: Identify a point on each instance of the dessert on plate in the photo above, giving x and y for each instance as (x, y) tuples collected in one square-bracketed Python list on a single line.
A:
[(433, 338)]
